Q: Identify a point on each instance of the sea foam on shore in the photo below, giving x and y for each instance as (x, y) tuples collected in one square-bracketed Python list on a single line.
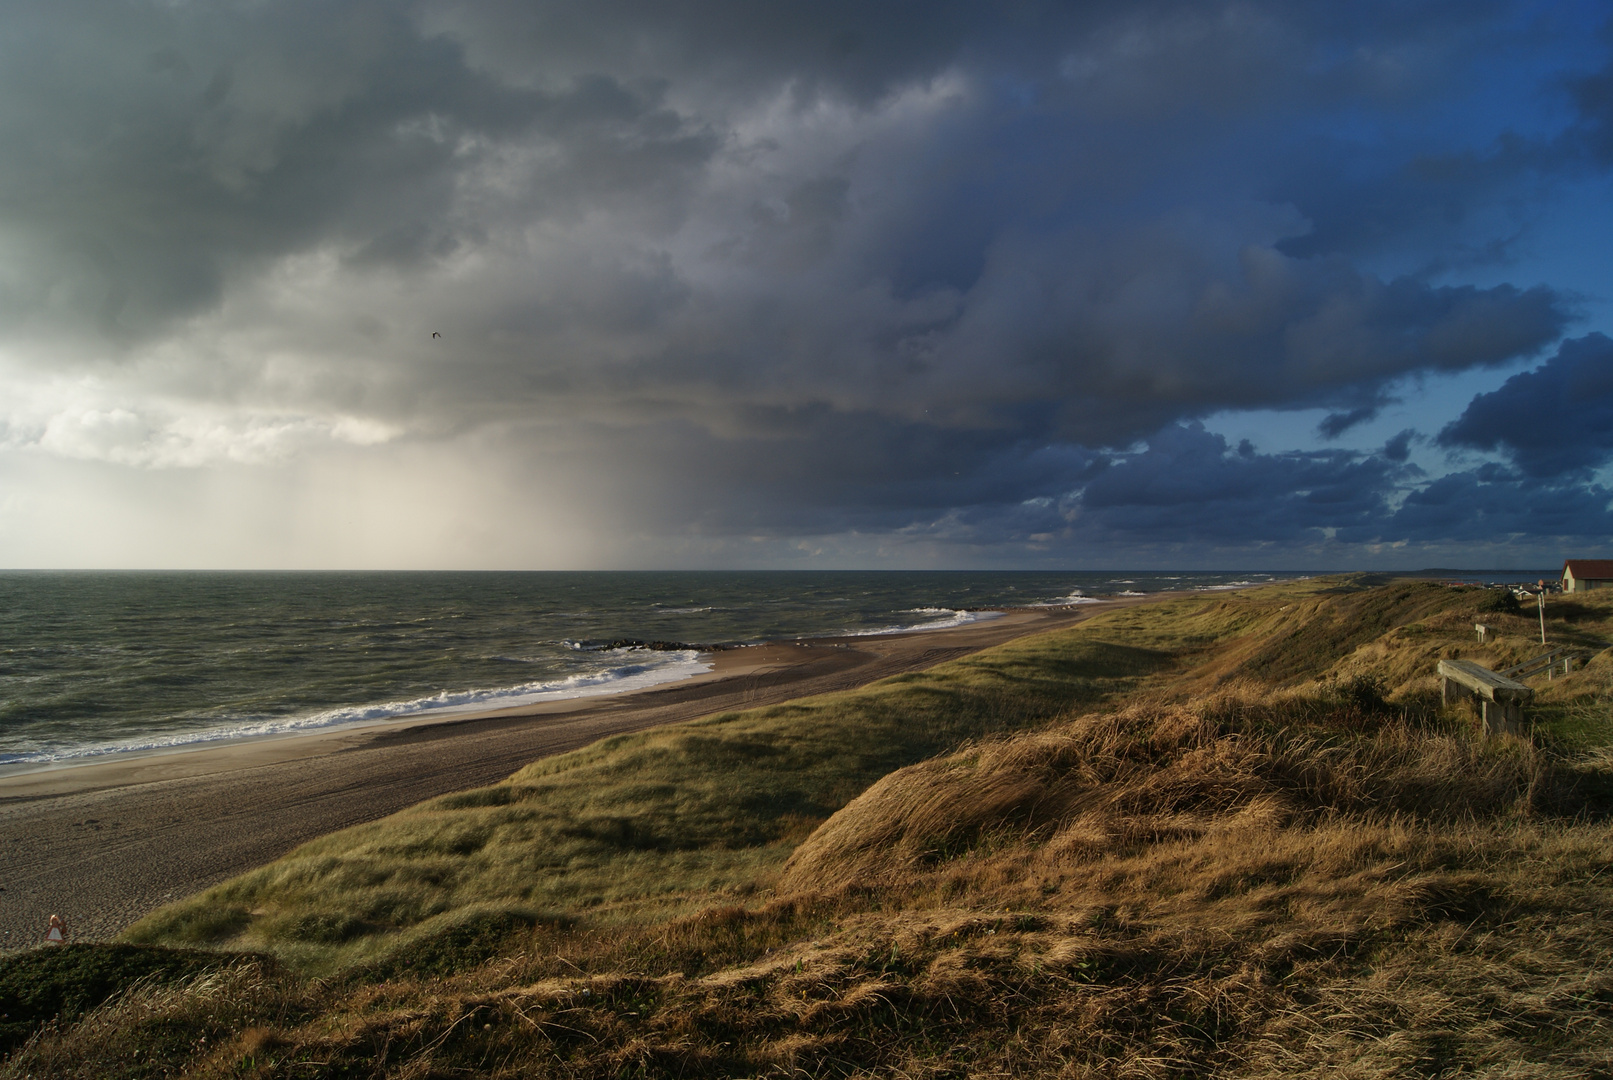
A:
[(948, 617), (645, 668)]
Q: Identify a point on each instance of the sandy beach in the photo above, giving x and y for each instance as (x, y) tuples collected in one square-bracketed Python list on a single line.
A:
[(106, 842)]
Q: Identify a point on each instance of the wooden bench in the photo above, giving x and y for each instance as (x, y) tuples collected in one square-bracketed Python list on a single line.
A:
[(1500, 699)]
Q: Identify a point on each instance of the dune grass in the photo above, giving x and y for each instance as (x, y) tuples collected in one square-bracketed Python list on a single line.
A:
[(654, 821), (1232, 835)]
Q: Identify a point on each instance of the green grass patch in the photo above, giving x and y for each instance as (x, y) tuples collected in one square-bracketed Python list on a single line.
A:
[(459, 941)]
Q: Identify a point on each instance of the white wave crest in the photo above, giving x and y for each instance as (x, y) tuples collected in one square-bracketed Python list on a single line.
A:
[(647, 669), (950, 617), (1075, 597)]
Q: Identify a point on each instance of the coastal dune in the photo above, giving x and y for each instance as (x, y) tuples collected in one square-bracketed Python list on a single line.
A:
[(1238, 833), (103, 844)]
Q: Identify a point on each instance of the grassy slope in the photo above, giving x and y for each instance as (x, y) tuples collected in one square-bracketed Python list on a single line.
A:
[(636, 824), (1188, 839)]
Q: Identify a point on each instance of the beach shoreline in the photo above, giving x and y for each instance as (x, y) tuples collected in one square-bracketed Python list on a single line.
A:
[(720, 661), (122, 767), (104, 842)]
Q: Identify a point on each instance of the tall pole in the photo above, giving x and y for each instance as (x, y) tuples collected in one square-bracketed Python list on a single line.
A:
[(1541, 596)]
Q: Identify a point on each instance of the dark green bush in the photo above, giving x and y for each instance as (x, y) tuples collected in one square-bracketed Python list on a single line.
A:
[(69, 980), (1498, 602)]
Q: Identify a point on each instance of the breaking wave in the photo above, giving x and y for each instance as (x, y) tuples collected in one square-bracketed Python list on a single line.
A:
[(647, 668)]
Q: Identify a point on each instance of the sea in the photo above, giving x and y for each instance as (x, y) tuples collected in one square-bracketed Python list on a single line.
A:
[(102, 663)]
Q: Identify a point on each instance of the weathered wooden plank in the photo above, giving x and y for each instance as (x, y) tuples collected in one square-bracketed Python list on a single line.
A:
[(1480, 680), (1500, 699), (1501, 717)]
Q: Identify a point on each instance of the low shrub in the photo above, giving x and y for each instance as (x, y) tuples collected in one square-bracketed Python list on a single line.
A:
[(64, 982), (1498, 602)]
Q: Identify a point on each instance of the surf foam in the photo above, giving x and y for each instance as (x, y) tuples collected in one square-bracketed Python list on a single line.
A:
[(649, 669), (950, 617)]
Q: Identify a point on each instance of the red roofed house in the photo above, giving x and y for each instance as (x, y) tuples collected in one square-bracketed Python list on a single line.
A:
[(1582, 574)]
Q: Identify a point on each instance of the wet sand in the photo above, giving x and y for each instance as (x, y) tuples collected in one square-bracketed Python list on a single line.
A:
[(104, 843)]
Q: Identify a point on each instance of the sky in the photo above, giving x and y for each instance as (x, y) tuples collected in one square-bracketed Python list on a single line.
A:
[(725, 284)]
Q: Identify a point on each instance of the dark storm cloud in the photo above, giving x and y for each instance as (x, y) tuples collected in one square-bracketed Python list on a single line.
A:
[(1190, 483), (1187, 485), (1399, 447), (856, 49), (1126, 332), (1191, 491), (1488, 505), (1553, 420), (1374, 203), (847, 470), (1335, 424), (150, 151), (787, 267)]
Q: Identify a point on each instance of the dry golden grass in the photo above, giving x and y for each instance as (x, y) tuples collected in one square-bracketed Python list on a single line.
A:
[(1241, 900), (1236, 870)]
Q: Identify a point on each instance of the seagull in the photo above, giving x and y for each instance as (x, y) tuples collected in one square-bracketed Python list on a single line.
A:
[(435, 334)]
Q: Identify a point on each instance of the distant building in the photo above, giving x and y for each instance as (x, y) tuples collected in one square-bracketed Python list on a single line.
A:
[(1582, 574)]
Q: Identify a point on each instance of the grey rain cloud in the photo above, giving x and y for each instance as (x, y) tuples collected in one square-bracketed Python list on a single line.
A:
[(765, 269)]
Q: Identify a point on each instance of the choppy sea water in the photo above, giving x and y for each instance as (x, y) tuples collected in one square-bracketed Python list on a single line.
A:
[(98, 663)]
